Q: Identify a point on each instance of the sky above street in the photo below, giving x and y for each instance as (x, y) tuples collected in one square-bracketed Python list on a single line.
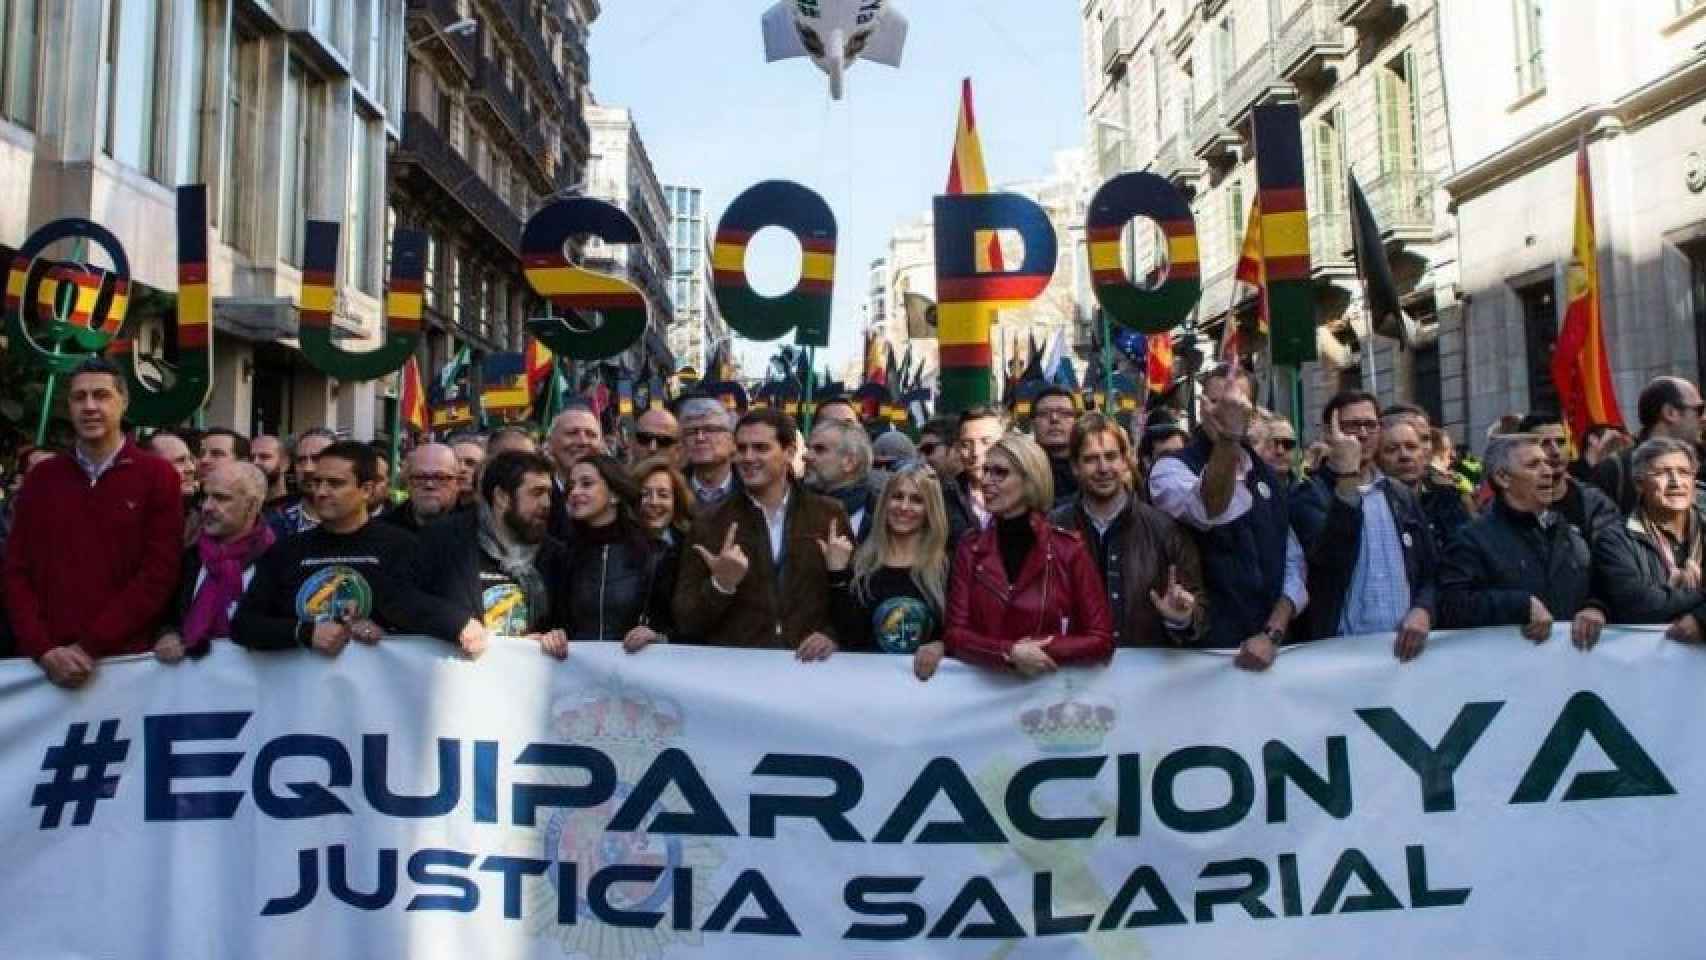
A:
[(713, 114)]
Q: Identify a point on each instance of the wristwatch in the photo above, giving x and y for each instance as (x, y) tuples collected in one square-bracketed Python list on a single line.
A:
[(1276, 635)]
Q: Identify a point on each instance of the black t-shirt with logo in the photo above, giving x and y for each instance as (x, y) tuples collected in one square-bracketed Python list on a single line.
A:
[(318, 576)]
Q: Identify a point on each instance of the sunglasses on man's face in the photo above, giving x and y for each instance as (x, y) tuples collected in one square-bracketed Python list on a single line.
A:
[(1285, 443), (661, 441)]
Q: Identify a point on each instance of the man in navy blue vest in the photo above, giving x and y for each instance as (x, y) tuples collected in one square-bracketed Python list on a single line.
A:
[(1372, 563), (1221, 490)]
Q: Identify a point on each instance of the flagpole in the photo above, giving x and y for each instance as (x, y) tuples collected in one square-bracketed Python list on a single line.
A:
[(397, 425), (1108, 405), (806, 410)]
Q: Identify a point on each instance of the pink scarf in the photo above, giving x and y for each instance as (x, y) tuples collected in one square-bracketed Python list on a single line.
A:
[(210, 612)]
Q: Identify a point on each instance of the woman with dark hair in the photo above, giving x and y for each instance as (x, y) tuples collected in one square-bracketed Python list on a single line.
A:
[(893, 600), (1025, 595), (666, 505), (622, 581)]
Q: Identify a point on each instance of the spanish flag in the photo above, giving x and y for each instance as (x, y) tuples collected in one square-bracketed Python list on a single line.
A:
[(1252, 272), (966, 174), (1581, 367), (1159, 350), (537, 366), (413, 397)]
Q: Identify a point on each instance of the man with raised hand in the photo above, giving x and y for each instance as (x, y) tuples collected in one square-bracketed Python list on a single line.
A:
[(350, 578), (756, 573), (92, 559), (1253, 568), (1370, 552)]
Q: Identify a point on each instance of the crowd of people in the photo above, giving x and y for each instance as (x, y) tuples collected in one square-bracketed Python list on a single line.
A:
[(1011, 549)]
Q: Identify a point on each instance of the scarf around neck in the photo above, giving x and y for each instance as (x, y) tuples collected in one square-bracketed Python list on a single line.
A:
[(517, 561), (209, 615)]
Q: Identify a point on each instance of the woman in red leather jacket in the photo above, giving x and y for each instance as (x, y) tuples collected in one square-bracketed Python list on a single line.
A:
[(1024, 594)]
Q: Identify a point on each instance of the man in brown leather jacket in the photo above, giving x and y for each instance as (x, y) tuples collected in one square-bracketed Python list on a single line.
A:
[(754, 573), (1148, 565)]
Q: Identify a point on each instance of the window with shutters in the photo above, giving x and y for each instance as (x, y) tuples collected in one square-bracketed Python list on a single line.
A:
[(1400, 115), (1329, 166), (1530, 50), (1234, 220)]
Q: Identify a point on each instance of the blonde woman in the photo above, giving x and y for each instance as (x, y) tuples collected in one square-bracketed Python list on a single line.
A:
[(892, 602), (1025, 595)]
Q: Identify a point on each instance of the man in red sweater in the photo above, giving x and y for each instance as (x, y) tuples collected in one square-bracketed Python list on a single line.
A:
[(92, 562)]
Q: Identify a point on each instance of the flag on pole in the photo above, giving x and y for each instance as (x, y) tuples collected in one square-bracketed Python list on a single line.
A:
[(1159, 348), (538, 366), (1252, 272), (1379, 291), (1581, 366), (412, 399), (966, 174), (503, 386), (875, 372)]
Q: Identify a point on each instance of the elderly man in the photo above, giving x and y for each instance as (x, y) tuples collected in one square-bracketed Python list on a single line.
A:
[(434, 484), (575, 434), (1520, 564), (175, 450), (708, 429), (296, 513), (1403, 459), (1275, 441), (1668, 407), (838, 465), (470, 450), (1052, 414), (493, 570), (656, 434), (219, 565), (92, 561), (1253, 567), (1372, 564), (1653, 566), (1149, 566), (347, 579)]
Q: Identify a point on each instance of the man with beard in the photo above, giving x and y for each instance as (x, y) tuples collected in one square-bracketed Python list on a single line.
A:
[(1149, 566), (838, 465), (1052, 415), (92, 560), (434, 482), (493, 570), (219, 565), (346, 579), (267, 452)]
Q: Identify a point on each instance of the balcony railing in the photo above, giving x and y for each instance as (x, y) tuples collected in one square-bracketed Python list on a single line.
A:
[(1310, 38), (425, 147), (1113, 39), (1174, 161), (434, 17), (1329, 238), (538, 61), (1210, 135), (1403, 204), (1250, 84), (489, 90)]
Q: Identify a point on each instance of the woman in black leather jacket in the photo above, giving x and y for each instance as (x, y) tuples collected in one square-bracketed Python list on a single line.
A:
[(623, 577)]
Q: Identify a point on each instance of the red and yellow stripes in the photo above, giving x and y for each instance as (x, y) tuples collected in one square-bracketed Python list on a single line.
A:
[(817, 261), (571, 288), (1581, 364)]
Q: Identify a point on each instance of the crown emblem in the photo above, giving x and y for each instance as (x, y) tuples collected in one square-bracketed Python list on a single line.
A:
[(1071, 725), (618, 716)]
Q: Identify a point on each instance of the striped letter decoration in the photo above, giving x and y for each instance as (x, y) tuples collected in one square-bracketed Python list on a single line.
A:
[(805, 310), (603, 314), (318, 297), (1121, 200), (166, 404)]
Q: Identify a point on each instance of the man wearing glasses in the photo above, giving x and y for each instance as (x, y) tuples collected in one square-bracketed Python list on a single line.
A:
[(656, 434), (1371, 559), (708, 431), (1052, 415), (434, 483), (1278, 441)]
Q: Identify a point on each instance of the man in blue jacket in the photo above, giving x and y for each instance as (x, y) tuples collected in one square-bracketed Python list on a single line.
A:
[(1371, 556)]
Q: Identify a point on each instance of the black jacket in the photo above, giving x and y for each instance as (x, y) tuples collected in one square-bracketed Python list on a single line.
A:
[(1590, 511), (961, 517), (1330, 531), (1446, 509), (447, 571), (619, 582), (1631, 578), (1496, 564)]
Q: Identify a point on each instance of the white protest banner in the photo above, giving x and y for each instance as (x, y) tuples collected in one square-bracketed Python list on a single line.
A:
[(1494, 799)]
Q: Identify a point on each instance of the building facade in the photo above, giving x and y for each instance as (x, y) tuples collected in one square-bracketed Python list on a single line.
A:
[(285, 109), (1521, 102), (494, 128), (1170, 86), (621, 172), (698, 326)]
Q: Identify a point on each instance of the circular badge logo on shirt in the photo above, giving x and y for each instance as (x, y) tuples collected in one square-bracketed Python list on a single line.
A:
[(1263, 489), (900, 624), (334, 592), (504, 609)]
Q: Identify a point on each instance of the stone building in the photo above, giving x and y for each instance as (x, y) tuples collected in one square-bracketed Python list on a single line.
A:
[(495, 127), (1170, 86), (621, 172), (698, 325), (1525, 88), (286, 110)]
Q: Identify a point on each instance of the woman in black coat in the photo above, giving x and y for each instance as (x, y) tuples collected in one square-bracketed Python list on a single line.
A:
[(622, 579)]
